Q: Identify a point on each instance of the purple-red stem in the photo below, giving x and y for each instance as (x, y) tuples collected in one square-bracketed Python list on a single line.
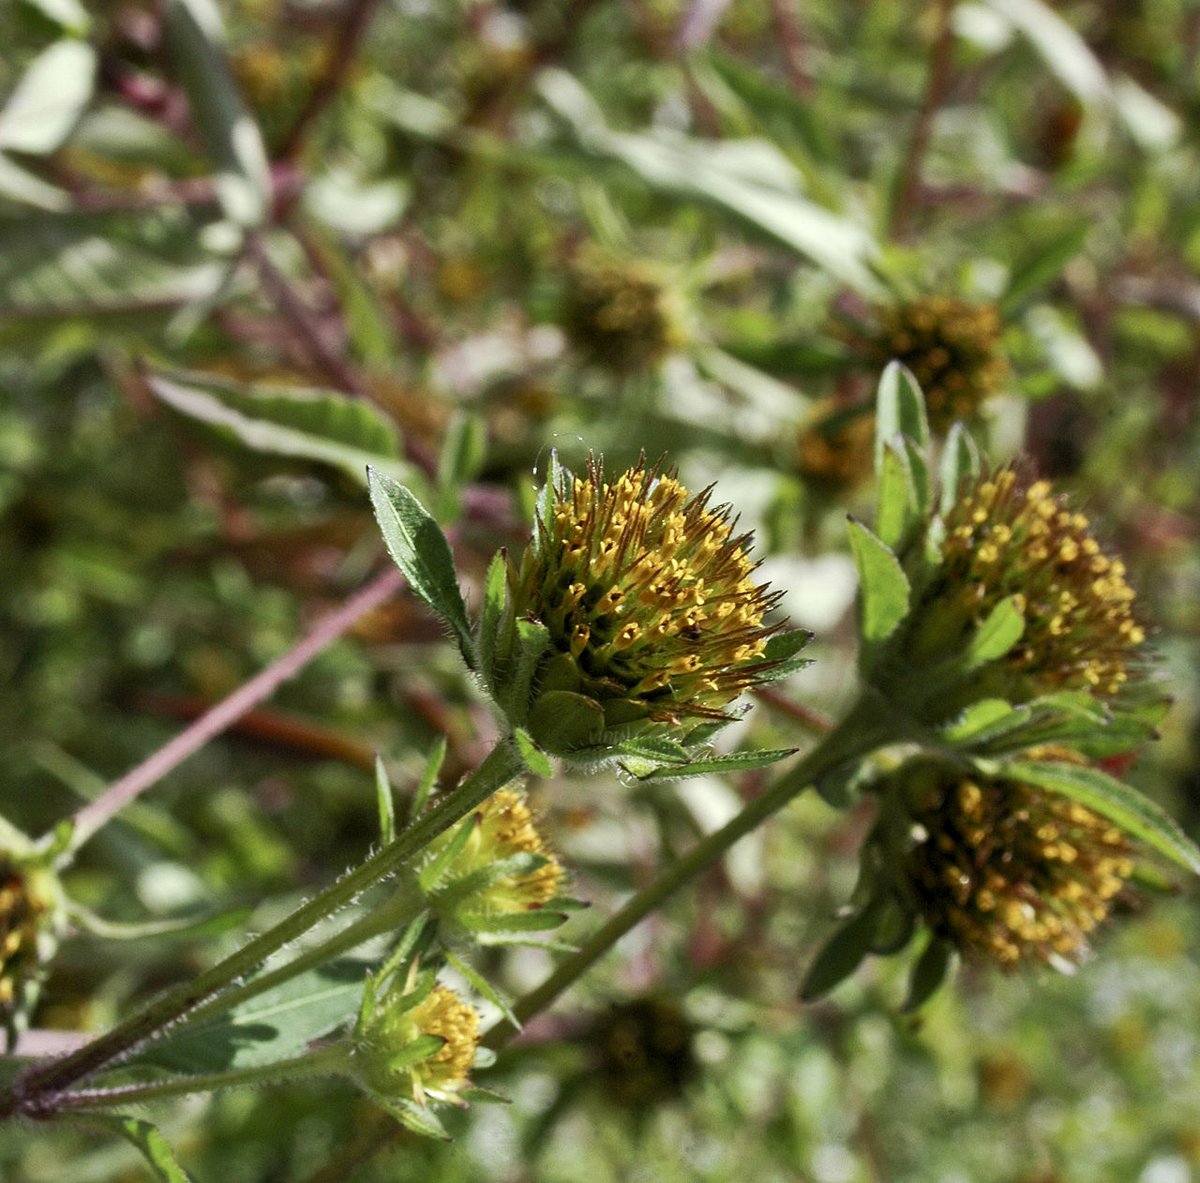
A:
[(120, 793)]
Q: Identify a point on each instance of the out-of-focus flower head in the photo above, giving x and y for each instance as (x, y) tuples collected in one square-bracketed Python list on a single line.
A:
[(951, 346)]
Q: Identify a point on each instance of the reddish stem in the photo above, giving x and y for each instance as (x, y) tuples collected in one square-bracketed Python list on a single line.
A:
[(121, 792)]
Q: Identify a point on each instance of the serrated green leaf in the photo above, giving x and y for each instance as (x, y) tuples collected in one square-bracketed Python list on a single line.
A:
[(273, 1026), (154, 1147), (929, 973), (234, 142), (1103, 794), (513, 693), (49, 98), (736, 762), (531, 755), (899, 409), (998, 633), (318, 425), (960, 459), (841, 955), (883, 592), (419, 548), (385, 802)]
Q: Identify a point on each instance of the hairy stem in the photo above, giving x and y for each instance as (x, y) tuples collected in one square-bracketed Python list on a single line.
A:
[(121, 792), (36, 1092), (863, 730), (327, 1061)]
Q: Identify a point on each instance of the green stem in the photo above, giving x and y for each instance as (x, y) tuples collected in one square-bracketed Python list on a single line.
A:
[(36, 1091), (867, 727), (329, 1061), (392, 915)]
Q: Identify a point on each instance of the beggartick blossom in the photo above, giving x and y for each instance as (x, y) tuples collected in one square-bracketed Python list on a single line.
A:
[(648, 601)]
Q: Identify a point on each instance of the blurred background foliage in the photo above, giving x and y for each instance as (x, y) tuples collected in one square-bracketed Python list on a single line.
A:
[(488, 229)]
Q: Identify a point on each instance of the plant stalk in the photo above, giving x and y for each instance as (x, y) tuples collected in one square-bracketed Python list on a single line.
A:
[(329, 1061), (35, 1093), (866, 728)]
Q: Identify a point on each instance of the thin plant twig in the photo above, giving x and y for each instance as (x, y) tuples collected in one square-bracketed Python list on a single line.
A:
[(121, 792), (908, 185)]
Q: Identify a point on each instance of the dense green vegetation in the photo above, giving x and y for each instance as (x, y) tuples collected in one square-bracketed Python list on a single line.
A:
[(477, 235)]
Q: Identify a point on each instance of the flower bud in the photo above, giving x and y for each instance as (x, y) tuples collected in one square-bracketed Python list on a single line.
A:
[(1008, 541), (493, 868), (835, 446), (416, 1044), (1006, 872), (643, 1052)]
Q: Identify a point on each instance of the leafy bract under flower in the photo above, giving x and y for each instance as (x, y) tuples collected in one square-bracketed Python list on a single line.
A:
[(1010, 873), (1006, 537), (647, 596)]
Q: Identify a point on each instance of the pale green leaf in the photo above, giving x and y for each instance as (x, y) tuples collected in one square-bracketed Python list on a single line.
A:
[(49, 99), (158, 1154), (385, 802), (883, 592), (998, 633), (899, 409), (960, 459), (419, 548), (1063, 50), (531, 755), (735, 762), (318, 425)]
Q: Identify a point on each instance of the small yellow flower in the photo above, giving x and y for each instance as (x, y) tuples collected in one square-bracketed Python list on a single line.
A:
[(1006, 537), (501, 828), (387, 1035), (952, 347), (620, 314), (1010, 873), (31, 918), (648, 597)]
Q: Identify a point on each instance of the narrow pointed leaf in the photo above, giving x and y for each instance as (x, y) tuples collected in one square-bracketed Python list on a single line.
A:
[(736, 762), (495, 591), (960, 459), (484, 988), (883, 591), (418, 1118), (841, 955), (433, 765), (386, 803), (1104, 794), (899, 409), (159, 1156), (419, 548), (49, 98), (929, 973), (896, 503)]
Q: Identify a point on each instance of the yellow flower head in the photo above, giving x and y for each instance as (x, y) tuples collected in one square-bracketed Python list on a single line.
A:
[(500, 829), (1007, 537), (648, 597), (1010, 873), (952, 348), (386, 1040), (620, 314), (31, 910)]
